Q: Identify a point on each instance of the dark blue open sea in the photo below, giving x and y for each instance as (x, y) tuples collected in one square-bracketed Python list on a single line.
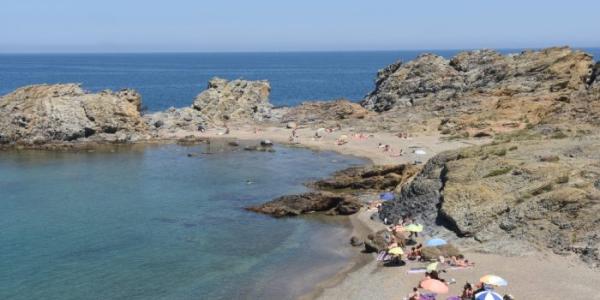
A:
[(150, 222), (175, 79)]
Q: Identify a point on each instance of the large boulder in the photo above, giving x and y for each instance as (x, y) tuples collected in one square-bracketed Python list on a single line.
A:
[(234, 101), (40, 114), (378, 241), (294, 205), (433, 253)]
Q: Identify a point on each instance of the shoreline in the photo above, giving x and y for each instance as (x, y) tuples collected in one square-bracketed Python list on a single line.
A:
[(363, 277)]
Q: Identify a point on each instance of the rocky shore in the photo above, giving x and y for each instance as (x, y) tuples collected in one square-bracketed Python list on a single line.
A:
[(509, 159)]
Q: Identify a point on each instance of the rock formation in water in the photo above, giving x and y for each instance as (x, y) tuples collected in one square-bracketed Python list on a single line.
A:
[(294, 205), (41, 114), (377, 178)]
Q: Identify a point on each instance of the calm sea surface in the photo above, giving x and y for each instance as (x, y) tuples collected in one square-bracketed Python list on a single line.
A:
[(175, 79), (152, 223)]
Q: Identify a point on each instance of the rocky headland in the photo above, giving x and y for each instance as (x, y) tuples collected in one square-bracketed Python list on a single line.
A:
[(522, 171)]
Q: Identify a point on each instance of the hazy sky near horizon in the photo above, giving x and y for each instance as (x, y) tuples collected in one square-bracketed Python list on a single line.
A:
[(280, 25)]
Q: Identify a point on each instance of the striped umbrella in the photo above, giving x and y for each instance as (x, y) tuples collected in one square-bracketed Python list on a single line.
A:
[(493, 280), (488, 295)]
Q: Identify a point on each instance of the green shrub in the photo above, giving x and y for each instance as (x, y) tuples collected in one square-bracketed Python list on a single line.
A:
[(498, 172)]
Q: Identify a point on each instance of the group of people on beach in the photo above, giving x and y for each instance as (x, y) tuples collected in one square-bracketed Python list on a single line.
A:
[(399, 236), (469, 292)]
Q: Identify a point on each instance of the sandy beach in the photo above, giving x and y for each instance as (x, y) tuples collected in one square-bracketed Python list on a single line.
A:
[(540, 275)]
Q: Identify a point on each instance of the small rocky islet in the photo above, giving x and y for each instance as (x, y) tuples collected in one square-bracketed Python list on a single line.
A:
[(536, 184)]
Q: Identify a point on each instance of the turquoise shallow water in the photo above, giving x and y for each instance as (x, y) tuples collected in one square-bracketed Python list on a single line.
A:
[(152, 223)]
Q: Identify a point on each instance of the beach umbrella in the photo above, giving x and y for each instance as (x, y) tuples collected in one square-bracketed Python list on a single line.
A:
[(413, 228), (435, 286), (493, 280), (396, 251), (432, 267), (435, 242), (387, 196), (488, 295)]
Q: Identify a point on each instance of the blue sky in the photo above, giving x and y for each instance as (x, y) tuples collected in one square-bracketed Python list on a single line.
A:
[(283, 25)]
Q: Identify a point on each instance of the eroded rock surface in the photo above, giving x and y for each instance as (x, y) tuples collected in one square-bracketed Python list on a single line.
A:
[(320, 112), (236, 100), (368, 178), (510, 193), (485, 92), (293, 205), (41, 114)]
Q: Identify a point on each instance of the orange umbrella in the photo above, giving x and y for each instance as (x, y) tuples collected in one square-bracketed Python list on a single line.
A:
[(435, 286)]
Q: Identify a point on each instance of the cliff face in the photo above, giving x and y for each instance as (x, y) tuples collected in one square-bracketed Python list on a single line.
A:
[(544, 191), (42, 114), (485, 91)]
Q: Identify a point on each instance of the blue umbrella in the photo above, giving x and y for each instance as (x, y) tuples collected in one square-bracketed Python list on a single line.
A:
[(488, 295), (435, 242), (387, 196)]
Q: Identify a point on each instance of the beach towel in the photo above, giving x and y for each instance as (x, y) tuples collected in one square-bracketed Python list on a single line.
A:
[(427, 297), (383, 256), (459, 268), (416, 270)]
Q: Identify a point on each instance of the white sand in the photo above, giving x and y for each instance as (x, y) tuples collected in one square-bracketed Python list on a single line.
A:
[(538, 276)]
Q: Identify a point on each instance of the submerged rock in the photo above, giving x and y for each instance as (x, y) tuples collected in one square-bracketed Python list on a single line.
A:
[(294, 205)]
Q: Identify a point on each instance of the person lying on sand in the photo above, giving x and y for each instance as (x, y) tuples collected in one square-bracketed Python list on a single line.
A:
[(460, 261), (396, 154)]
